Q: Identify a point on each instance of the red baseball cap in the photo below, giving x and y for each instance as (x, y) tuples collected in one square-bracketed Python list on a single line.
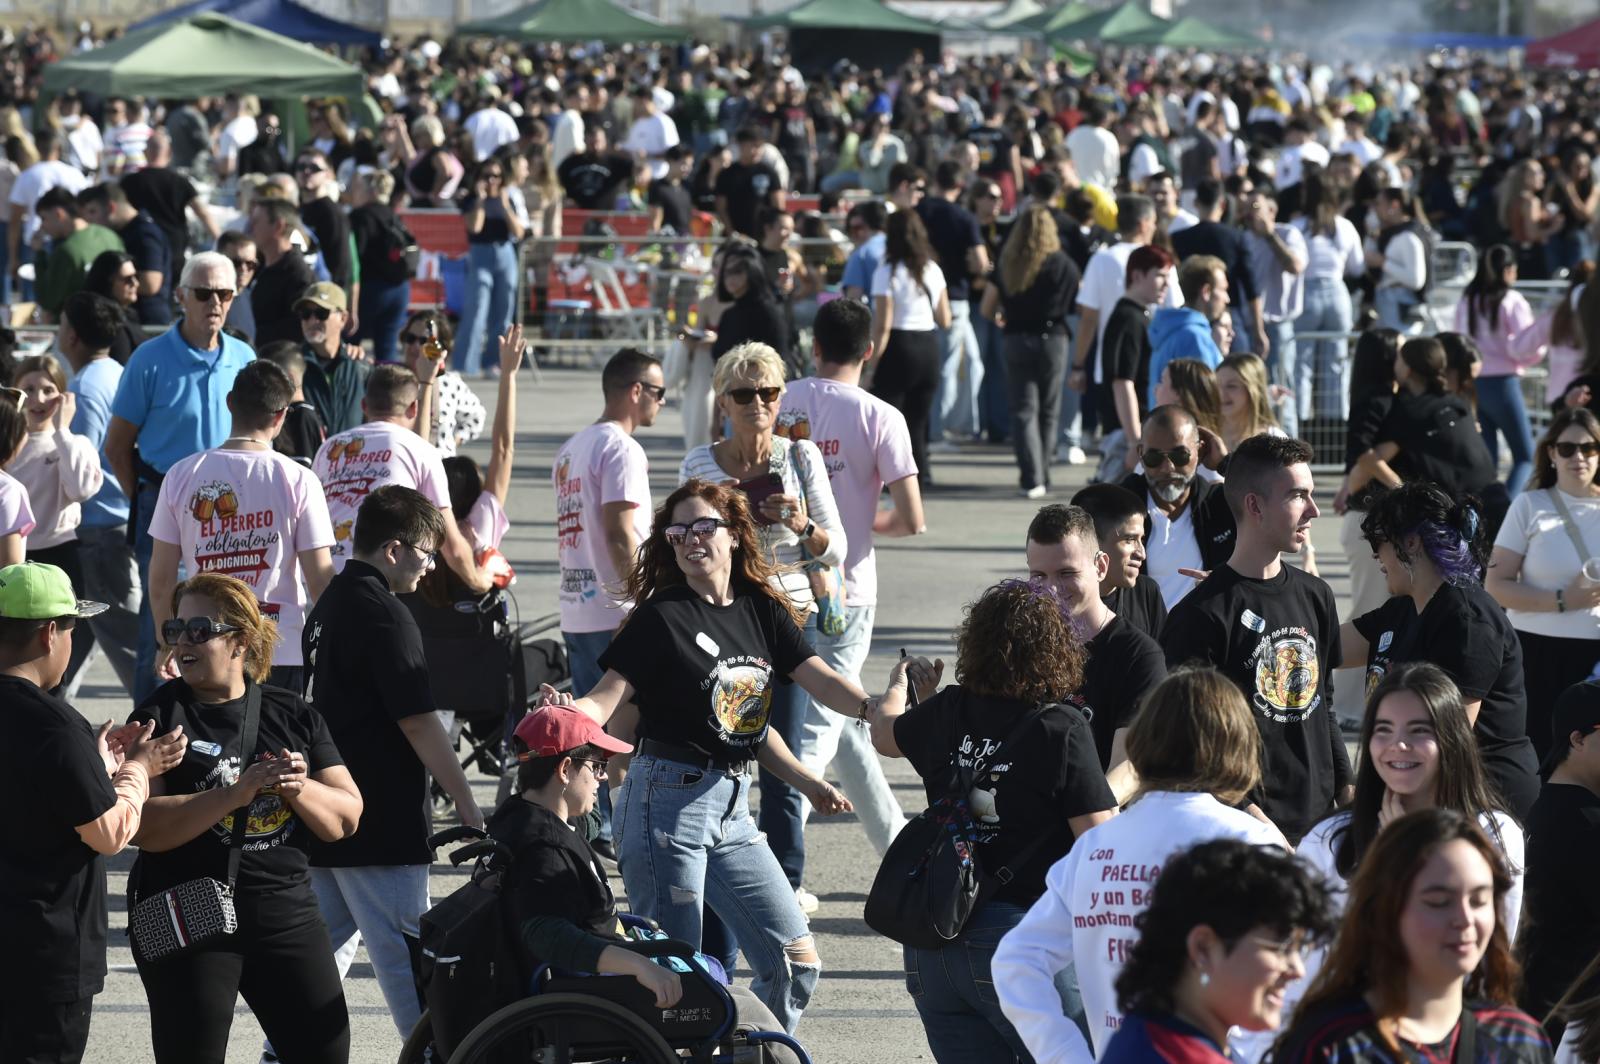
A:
[(552, 730)]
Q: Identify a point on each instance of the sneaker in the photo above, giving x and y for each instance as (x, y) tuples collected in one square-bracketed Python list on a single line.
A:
[(1075, 456), (1035, 492), (808, 901)]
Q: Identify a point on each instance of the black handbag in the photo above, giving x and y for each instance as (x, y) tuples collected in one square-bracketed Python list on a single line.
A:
[(931, 880), (177, 919)]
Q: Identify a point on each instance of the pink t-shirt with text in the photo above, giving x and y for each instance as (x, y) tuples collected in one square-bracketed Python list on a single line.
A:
[(358, 461), (247, 514), (865, 445), (15, 513), (599, 465)]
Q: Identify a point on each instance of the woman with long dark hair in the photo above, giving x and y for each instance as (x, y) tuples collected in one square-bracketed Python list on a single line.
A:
[(1422, 967), (113, 275), (753, 312), (1432, 550), (493, 230), (909, 301), (699, 657), (1372, 387), (1494, 314)]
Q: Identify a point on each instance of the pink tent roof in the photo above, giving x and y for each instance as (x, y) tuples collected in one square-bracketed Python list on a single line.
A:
[(1576, 48)]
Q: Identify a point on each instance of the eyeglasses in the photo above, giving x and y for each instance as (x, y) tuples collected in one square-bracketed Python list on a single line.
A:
[(206, 295), (307, 313), (595, 766), (705, 526), (408, 339), (1567, 448), (1178, 456), (198, 629), (745, 396), (655, 391), (1288, 949), (430, 558)]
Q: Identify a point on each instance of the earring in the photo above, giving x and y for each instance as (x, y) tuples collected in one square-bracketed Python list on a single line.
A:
[(1205, 978)]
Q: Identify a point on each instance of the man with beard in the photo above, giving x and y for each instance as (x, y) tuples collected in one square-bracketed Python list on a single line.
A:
[(1191, 528), (1274, 631)]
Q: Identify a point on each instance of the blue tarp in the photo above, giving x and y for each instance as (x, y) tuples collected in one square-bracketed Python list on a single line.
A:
[(280, 16), (1424, 39)]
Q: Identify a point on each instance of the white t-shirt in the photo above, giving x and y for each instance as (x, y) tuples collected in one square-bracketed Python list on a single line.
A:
[(600, 464), (566, 136), (1292, 162), (913, 311), (1106, 280), (358, 461), (240, 133), (491, 129), (652, 136), (864, 445), (38, 179), (1096, 154), (1534, 529), (1171, 547), (1332, 257), (1085, 916), (249, 515)]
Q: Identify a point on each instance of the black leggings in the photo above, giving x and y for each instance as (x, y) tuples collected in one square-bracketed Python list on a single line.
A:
[(907, 379), (280, 959)]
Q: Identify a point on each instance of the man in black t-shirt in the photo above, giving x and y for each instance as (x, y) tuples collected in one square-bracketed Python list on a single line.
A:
[(167, 196), (1121, 394), (593, 177), (283, 277), (75, 795), (748, 185), (1124, 663), (1274, 631), (1121, 524), (145, 243), (367, 675), (668, 198), (326, 219), (1562, 933)]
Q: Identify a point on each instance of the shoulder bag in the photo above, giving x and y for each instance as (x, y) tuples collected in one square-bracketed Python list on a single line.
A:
[(196, 911), (931, 881), (827, 581), (1571, 526)]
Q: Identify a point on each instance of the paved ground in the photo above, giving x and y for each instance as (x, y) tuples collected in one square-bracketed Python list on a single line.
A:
[(861, 1011)]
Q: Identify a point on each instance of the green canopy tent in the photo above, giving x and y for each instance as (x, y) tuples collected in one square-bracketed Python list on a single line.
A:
[(1187, 32), (1108, 25), (866, 32), (574, 20), (1048, 21), (1013, 15)]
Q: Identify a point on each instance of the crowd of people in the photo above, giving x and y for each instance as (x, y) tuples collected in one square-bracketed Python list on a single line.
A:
[(243, 446)]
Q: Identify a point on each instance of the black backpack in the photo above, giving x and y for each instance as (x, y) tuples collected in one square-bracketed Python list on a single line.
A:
[(931, 881), (396, 250)]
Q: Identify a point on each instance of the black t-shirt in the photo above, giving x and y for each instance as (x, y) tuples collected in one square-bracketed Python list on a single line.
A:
[(1125, 355), (1042, 778), (327, 221), (496, 229), (1140, 605), (1278, 640), (303, 433), (994, 150), (953, 231), (673, 199), (591, 181), (747, 189), (1439, 442), (702, 675), (366, 672), (1227, 244), (165, 196), (1045, 305), (1467, 634), (273, 295), (553, 873), (52, 885), (1348, 1030), (275, 840), (1562, 932), (1124, 665), (147, 245)]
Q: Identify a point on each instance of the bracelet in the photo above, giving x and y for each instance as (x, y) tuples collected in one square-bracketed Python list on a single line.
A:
[(1561, 600), (861, 714)]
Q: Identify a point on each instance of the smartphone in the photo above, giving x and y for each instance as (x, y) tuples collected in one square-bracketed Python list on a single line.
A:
[(759, 489), (911, 688)]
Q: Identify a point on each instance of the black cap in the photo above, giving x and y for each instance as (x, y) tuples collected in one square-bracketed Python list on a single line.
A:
[(1577, 709)]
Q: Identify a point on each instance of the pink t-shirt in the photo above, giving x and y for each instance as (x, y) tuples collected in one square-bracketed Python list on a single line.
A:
[(865, 445), (599, 465), (487, 523), (358, 461), (15, 513), (247, 514)]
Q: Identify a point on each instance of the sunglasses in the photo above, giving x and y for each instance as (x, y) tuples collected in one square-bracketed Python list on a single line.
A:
[(595, 766), (655, 391), (308, 168), (198, 629), (206, 295), (128, 278), (702, 528), (1566, 448), (307, 313), (241, 265), (1178, 456), (495, 176), (409, 339), (14, 395), (745, 396)]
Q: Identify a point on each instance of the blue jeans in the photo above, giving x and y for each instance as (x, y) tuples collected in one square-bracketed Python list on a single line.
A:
[(378, 906), (781, 817), (486, 310), (1280, 360), (583, 660), (953, 990), (960, 375), (110, 575), (1501, 410), (685, 839), (144, 664), (5, 263), (383, 314), (1322, 367), (993, 409)]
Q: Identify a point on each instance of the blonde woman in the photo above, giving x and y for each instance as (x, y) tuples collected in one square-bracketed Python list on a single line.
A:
[(1520, 206), (432, 173), (1245, 399), (543, 197), (1036, 287), (385, 291)]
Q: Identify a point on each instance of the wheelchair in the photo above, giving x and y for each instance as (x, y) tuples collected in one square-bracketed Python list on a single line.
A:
[(568, 1018)]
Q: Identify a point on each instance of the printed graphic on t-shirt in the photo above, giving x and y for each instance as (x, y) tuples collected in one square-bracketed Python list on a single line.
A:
[(268, 821), (229, 542), (741, 697), (1287, 674), (353, 473), (1378, 664), (582, 582), (981, 799)]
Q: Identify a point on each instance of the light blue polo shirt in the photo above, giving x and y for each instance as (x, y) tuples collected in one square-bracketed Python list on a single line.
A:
[(95, 386), (863, 263), (178, 395)]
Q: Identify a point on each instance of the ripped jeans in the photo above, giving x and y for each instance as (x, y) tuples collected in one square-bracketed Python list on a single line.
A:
[(685, 834)]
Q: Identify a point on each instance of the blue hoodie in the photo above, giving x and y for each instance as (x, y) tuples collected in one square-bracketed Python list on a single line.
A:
[(1179, 332)]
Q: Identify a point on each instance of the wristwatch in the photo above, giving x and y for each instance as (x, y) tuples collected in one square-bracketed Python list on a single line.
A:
[(809, 531)]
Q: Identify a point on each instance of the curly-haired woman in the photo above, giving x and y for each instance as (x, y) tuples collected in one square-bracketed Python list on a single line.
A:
[(699, 657), (1036, 790)]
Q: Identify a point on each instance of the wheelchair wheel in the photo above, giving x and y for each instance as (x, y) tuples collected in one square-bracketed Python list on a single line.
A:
[(563, 1029), (415, 1051)]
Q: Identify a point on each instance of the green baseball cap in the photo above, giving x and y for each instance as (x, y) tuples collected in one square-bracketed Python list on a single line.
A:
[(34, 591)]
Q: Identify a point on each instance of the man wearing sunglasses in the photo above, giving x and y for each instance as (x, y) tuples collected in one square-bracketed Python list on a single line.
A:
[(335, 379), (283, 276), (1191, 529), (172, 403), (320, 212), (108, 205)]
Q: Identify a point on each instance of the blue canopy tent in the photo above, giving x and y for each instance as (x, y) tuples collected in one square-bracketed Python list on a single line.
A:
[(285, 17)]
